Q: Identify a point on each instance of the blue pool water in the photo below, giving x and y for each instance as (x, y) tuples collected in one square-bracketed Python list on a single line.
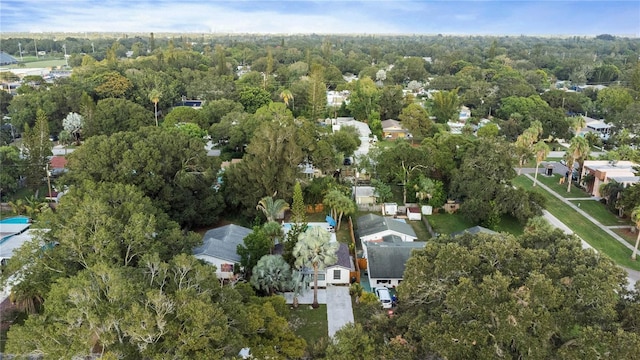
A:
[(15, 220)]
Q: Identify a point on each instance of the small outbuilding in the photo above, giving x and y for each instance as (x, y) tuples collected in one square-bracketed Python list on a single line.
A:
[(413, 213)]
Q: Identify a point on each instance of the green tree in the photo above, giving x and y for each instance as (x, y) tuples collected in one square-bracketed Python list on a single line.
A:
[(298, 209), (36, 150), (416, 119), (445, 105), (352, 342), (167, 165), (154, 96), (635, 217), (578, 152), (10, 170), (271, 274), (315, 250), (363, 99), (253, 98), (114, 115), (340, 205), (489, 311), (254, 246), (430, 191), (317, 94), (270, 164), (346, 140)]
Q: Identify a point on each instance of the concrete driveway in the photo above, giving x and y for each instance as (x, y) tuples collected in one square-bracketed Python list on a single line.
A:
[(338, 300), (339, 310)]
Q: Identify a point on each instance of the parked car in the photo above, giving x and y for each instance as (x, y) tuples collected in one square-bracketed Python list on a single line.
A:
[(384, 296)]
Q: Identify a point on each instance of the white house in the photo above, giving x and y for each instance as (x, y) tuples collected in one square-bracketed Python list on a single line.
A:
[(599, 127), (335, 274), (373, 227), (219, 248)]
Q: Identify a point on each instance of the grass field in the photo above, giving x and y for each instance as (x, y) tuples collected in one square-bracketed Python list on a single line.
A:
[(584, 228), (553, 183), (45, 63), (310, 324), (600, 212), (444, 223)]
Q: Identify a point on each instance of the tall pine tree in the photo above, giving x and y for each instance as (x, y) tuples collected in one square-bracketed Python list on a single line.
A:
[(36, 149)]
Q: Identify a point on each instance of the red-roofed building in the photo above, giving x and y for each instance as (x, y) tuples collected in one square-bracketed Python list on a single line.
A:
[(58, 165)]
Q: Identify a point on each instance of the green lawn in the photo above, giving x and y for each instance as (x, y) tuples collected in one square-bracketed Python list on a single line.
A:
[(584, 228), (627, 235), (553, 183), (420, 228), (309, 324), (48, 62), (444, 223), (599, 212)]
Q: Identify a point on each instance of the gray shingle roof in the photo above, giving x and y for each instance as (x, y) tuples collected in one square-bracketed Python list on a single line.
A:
[(222, 242), (344, 258), (372, 224), (388, 261), (474, 230), (6, 59)]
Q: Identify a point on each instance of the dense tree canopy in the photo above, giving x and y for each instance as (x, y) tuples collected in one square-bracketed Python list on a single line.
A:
[(538, 296), (167, 165)]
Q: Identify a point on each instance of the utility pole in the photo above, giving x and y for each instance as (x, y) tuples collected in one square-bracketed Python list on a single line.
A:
[(35, 44), (20, 48), (65, 54)]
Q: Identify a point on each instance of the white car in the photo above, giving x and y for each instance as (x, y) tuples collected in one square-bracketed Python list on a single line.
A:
[(385, 297)]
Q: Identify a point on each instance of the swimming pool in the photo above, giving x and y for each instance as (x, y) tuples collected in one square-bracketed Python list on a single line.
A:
[(15, 220)]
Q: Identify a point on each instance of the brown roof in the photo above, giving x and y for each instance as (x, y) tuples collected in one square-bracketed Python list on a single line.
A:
[(58, 162)]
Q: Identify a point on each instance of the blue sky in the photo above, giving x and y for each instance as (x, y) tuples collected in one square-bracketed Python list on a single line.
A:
[(477, 17)]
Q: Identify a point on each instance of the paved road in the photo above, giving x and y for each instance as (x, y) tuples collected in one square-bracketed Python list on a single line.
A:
[(633, 275)]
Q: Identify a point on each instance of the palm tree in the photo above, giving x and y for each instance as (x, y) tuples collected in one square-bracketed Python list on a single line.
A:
[(635, 216), (286, 95), (315, 250), (155, 96), (611, 191), (578, 124), (582, 151), (273, 230), (578, 151), (340, 205), (542, 151), (271, 274), (272, 208)]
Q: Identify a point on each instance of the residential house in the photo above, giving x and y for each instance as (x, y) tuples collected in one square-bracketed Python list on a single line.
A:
[(597, 126), (373, 227), (604, 171), (393, 129), (6, 59), (334, 274), (58, 165), (386, 260), (219, 248)]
